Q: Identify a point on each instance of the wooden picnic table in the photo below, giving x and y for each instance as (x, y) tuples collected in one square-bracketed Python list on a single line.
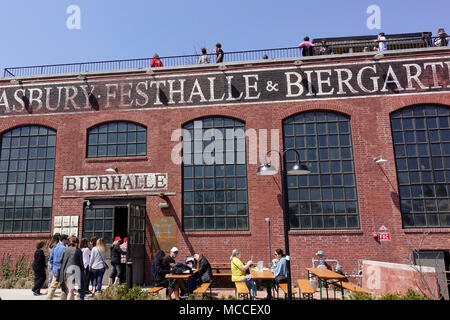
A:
[(327, 276), (183, 277), (263, 275)]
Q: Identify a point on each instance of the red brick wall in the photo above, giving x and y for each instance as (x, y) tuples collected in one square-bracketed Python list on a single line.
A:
[(377, 191)]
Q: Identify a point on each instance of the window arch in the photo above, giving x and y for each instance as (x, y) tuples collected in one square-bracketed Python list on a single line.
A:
[(117, 139), (421, 137), (27, 163), (326, 198), (214, 175)]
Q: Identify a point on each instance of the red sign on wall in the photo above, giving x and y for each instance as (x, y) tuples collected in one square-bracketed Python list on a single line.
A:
[(384, 236)]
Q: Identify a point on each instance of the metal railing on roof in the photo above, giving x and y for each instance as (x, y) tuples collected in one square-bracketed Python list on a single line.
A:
[(338, 47)]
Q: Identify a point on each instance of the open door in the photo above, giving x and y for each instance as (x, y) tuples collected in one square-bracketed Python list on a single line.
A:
[(136, 244)]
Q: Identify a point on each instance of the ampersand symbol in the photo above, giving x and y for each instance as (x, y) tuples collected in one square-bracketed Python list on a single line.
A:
[(271, 86)]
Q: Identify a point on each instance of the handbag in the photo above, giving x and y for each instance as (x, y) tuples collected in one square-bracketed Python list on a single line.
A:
[(106, 265)]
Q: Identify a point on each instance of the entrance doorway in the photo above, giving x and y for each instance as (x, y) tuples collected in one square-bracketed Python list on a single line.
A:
[(124, 218), (121, 222)]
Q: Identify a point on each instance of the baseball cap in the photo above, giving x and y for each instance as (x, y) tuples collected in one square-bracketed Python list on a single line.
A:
[(125, 239), (117, 239), (174, 249)]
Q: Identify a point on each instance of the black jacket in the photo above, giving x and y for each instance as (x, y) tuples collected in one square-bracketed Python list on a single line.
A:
[(158, 274), (39, 261), (204, 270), (115, 254)]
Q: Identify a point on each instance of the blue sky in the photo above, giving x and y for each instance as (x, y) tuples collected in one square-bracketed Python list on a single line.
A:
[(34, 32)]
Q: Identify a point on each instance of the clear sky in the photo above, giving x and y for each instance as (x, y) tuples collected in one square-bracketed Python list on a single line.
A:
[(35, 32)]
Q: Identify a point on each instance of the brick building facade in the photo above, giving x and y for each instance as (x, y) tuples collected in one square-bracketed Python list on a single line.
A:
[(355, 93)]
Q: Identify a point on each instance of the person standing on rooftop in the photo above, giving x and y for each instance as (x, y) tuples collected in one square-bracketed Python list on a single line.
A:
[(441, 39), (382, 43), (204, 59), (307, 47), (219, 53), (155, 62)]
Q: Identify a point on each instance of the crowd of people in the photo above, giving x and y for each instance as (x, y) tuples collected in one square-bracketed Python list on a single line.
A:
[(310, 49), (73, 264), (163, 264), (381, 43)]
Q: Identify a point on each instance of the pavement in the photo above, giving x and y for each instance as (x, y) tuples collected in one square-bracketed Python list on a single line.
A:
[(217, 293)]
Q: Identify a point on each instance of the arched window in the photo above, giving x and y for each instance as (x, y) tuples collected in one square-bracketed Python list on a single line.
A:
[(214, 175), (27, 163), (326, 198), (117, 139), (421, 136)]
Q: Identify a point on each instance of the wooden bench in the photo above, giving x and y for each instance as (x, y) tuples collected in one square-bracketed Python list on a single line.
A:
[(305, 288), (221, 274), (352, 287), (203, 288), (155, 290), (284, 288), (241, 289)]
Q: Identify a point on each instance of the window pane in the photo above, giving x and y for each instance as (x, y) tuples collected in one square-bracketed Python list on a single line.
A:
[(420, 163), (117, 139), (216, 186), (25, 206), (328, 152)]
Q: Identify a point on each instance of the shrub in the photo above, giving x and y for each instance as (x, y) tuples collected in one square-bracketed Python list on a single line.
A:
[(18, 276), (409, 295), (120, 292)]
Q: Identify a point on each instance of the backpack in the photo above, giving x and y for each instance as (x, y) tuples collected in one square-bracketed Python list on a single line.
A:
[(180, 268)]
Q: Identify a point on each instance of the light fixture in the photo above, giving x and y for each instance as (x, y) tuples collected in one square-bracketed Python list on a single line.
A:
[(222, 67), (298, 169), (379, 159), (16, 81), (150, 71), (82, 77), (266, 170), (111, 169), (378, 56), (163, 205), (87, 203), (298, 62)]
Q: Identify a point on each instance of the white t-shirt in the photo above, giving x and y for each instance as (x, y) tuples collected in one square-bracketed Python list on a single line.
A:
[(86, 256)]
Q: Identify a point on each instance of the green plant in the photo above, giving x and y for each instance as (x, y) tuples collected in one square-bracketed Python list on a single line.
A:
[(409, 295), (18, 276), (196, 296), (230, 297), (121, 292), (361, 296)]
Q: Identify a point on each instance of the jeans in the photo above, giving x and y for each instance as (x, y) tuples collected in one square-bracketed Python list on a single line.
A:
[(97, 276)]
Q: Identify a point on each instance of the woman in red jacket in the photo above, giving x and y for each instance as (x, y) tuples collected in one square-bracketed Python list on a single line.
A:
[(156, 62)]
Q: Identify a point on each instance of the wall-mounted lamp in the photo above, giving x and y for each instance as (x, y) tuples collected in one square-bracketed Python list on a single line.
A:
[(379, 159), (222, 67), (163, 205), (150, 71), (82, 77), (112, 169), (298, 62), (87, 203), (378, 56), (16, 81)]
